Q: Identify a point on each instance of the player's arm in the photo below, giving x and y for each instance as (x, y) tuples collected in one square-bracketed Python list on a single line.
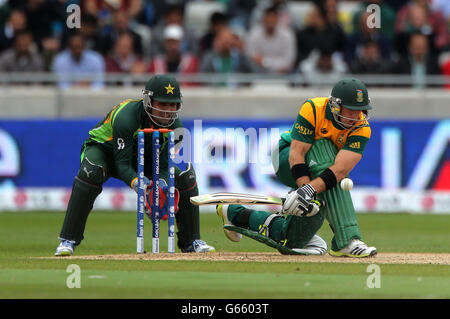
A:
[(346, 159), (302, 133), (299, 202), (297, 156), (123, 132), (344, 162)]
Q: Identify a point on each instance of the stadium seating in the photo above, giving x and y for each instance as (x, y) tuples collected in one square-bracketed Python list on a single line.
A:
[(197, 15)]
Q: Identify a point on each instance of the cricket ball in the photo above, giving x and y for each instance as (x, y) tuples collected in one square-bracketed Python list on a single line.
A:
[(346, 184)]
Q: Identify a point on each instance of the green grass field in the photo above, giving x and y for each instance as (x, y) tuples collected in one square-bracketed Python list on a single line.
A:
[(26, 235)]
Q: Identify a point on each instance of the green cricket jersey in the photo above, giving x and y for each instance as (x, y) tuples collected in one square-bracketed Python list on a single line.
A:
[(117, 134), (315, 121)]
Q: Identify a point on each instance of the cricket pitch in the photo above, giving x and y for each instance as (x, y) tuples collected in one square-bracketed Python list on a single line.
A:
[(380, 258)]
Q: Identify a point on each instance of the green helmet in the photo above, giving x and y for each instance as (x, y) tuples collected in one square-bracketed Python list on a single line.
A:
[(350, 93), (162, 88)]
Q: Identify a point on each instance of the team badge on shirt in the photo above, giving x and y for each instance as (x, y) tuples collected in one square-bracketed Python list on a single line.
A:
[(341, 139)]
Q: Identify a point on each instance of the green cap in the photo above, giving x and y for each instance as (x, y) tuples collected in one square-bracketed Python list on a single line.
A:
[(164, 88), (352, 93)]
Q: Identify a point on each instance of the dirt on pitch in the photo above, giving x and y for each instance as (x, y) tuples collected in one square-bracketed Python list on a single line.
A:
[(381, 258)]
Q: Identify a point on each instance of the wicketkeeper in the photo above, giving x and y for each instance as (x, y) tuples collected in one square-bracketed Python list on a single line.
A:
[(110, 151), (326, 141)]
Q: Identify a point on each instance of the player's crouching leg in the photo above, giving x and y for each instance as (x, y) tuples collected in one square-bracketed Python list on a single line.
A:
[(188, 216)]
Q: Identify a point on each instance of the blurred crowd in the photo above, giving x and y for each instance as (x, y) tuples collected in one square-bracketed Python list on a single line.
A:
[(249, 36)]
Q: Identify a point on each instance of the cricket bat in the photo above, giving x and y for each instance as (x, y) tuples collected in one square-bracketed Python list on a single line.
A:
[(235, 198)]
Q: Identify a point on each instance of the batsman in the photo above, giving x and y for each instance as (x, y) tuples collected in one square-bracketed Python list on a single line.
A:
[(325, 143), (111, 150)]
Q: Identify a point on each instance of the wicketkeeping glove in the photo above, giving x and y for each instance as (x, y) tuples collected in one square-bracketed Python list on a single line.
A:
[(302, 202), (163, 202), (135, 184)]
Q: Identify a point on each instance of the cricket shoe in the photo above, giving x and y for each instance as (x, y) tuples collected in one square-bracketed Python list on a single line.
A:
[(355, 249), (198, 246), (222, 211), (316, 246), (65, 248)]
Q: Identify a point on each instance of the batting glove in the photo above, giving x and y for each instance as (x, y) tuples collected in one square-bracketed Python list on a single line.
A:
[(302, 202)]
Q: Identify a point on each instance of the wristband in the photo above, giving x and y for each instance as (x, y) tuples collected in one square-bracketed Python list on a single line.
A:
[(300, 170), (329, 178)]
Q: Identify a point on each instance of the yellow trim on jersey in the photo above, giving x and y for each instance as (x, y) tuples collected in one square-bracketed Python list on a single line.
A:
[(323, 124), (307, 113)]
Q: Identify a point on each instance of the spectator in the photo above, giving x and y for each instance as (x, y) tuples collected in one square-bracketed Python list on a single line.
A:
[(285, 16), (123, 59), (131, 7), (95, 8), (16, 22), (271, 46), (395, 4), (225, 58), (104, 9), (23, 57), (370, 61), (445, 67), (50, 47), (318, 31), (330, 8), (442, 6), (45, 18), (173, 15), (217, 22), (240, 12), (173, 60), (78, 62), (418, 16), (363, 34), (90, 31), (419, 62), (322, 67), (152, 12), (121, 24)]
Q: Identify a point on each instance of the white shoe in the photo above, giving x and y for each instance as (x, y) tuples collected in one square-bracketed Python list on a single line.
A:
[(316, 246), (355, 249), (65, 248), (199, 246), (222, 211)]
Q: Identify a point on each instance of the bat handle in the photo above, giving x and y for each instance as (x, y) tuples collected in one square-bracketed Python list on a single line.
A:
[(321, 202)]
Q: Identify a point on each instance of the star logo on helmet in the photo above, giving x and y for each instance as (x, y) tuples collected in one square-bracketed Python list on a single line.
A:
[(169, 89)]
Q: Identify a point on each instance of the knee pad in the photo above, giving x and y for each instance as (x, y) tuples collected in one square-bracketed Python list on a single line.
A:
[(91, 173), (186, 180)]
